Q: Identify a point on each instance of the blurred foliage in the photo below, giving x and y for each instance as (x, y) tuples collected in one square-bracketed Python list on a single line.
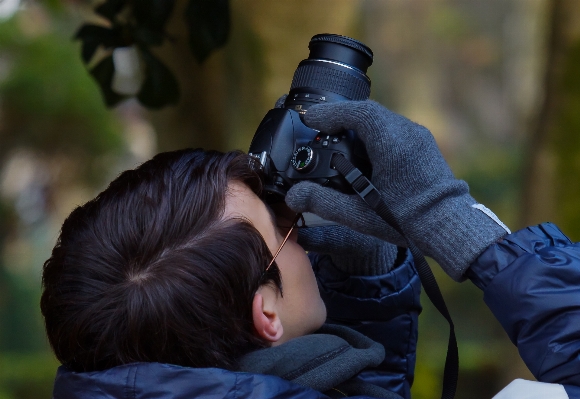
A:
[(450, 24), (565, 141), (209, 26), (552, 190), (55, 5), (49, 103), (50, 107), (138, 24), (142, 25), (21, 329), (26, 375), (493, 173)]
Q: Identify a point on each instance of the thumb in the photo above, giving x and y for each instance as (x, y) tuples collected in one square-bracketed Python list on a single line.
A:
[(367, 118), (333, 118), (337, 240), (344, 209)]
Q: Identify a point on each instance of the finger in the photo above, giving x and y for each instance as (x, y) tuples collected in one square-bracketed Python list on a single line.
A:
[(344, 209), (338, 240), (351, 252), (373, 123), (366, 117), (390, 139)]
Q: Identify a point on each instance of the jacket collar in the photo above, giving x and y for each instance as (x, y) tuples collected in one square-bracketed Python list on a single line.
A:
[(322, 361)]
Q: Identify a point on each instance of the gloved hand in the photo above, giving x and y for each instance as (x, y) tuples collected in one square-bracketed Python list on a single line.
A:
[(368, 223), (433, 208), (351, 252)]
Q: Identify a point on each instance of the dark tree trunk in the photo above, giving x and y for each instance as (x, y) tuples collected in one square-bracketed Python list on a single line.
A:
[(552, 173)]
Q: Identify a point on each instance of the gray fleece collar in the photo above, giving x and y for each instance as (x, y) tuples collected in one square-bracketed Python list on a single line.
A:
[(321, 361)]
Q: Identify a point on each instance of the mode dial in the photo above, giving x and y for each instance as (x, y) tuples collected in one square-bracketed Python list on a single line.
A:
[(303, 159)]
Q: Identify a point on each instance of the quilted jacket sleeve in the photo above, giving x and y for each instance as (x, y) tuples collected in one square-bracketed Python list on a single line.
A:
[(384, 308), (531, 283)]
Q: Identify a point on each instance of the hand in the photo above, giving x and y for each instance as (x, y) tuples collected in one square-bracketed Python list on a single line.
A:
[(433, 208), (358, 218), (354, 253)]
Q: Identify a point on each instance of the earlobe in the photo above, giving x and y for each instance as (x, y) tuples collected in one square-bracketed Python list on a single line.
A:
[(266, 320)]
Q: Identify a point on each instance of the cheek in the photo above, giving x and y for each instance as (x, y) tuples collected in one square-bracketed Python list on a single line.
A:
[(310, 301), (297, 258), (294, 236), (305, 310), (299, 273)]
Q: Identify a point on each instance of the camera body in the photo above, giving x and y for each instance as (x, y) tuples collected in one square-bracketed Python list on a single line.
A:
[(288, 150)]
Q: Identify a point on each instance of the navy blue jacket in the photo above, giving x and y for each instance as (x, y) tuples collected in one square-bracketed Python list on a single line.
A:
[(385, 308), (531, 283)]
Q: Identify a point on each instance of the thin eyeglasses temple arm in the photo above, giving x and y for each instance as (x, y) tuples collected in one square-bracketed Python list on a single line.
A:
[(296, 219)]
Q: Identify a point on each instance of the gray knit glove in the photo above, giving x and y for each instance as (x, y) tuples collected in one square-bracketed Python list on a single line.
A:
[(433, 208), (352, 252)]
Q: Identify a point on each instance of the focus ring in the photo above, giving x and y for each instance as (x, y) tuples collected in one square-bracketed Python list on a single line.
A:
[(332, 80)]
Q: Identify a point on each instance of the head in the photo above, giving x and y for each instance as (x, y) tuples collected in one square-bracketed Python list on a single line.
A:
[(168, 265)]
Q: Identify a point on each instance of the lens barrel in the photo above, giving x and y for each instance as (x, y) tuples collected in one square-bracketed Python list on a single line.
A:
[(340, 48), (334, 71)]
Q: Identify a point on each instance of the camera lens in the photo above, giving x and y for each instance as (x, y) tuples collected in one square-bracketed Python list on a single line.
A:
[(334, 71)]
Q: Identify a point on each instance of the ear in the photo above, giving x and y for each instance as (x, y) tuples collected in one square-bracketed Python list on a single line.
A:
[(266, 319)]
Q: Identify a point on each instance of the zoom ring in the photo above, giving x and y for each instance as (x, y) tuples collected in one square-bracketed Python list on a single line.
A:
[(332, 80)]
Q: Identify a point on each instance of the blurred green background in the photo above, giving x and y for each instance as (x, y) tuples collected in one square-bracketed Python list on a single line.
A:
[(495, 81)]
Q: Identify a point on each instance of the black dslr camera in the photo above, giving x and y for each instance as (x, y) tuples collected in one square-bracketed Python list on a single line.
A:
[(288, 150)]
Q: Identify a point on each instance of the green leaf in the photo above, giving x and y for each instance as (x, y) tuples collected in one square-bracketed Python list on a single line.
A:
[(93, 35), (208, 22), (160, 87), (88, 49), (54, 5), (147, 36), (152, 14), (103, 73)]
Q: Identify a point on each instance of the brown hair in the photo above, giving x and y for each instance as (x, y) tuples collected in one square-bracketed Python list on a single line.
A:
[(149, 271)]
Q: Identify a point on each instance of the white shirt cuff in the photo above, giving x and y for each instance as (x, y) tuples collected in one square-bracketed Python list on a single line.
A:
[(523, 389)]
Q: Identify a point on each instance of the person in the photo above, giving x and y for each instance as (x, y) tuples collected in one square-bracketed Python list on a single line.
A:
[(165, 286), (178, 281)]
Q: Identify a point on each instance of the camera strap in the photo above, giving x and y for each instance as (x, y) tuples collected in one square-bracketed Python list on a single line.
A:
[(365, 189)]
